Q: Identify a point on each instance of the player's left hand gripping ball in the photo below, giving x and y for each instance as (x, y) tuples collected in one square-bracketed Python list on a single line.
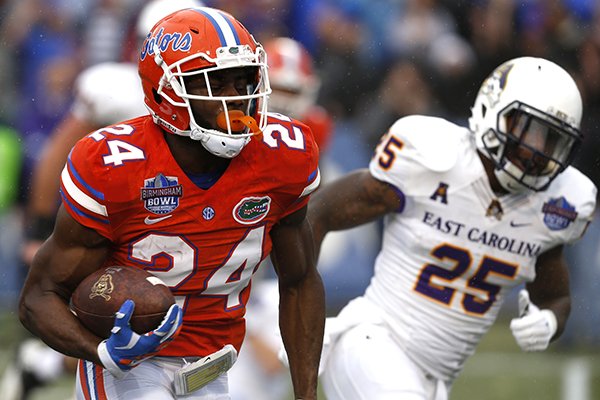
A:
[(125, 349), (535, 327)]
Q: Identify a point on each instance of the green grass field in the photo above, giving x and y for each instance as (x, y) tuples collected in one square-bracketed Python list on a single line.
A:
[(498, 371)]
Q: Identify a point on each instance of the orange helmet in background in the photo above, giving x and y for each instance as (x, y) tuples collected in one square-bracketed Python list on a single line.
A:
[(293, 80), (295, 86)]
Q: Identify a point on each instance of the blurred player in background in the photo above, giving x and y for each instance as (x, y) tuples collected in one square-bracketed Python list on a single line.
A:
[(105, 93), (214, 203), (469, 215), (258, 373), (295, 86)]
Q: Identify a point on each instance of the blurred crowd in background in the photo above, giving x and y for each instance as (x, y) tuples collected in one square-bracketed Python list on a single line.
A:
[(378, 60)]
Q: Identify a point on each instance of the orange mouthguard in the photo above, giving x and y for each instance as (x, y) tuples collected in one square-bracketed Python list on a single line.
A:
[(238, 121)]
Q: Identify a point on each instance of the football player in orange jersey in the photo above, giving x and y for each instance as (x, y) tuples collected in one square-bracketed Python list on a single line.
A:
[(104, 94), (199, 192)]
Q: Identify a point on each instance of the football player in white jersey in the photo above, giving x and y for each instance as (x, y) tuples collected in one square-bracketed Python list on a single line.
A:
[(105, 93), (469, 215)]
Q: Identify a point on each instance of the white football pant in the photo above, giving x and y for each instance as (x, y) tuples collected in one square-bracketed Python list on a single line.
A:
[(365, 364), (151, 380)]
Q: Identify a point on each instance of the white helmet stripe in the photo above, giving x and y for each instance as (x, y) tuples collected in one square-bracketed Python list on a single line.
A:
[(222, 25)]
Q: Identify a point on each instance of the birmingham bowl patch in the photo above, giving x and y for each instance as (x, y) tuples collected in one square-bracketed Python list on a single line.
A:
[(161, 194), (558, 214), (251, 209)]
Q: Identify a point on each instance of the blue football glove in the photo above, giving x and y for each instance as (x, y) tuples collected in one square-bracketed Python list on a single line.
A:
[(125, 349)]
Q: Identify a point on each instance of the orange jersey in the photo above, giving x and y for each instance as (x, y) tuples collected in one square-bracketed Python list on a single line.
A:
[(205, 245)]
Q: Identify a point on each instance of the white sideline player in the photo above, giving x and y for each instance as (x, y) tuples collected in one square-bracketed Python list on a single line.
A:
[(104, 94), (470, 214)]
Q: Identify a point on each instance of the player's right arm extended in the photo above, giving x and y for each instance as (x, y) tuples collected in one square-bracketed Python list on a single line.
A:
[(70, 254), (352, 200)]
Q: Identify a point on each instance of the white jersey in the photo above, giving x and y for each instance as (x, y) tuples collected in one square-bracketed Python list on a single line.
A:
[(109, 92), (455, 250)]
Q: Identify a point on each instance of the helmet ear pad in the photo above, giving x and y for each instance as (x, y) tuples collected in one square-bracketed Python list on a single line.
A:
[(167, 115)]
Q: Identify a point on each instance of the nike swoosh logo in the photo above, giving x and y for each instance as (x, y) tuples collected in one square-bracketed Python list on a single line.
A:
[(519, 225), (151, 221)]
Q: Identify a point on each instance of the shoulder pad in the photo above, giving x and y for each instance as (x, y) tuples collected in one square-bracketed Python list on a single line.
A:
[(289, 143), (580, 189), (430, 141)]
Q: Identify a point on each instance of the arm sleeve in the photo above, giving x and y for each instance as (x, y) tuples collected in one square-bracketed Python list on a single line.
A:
[(305, 176), (83, 188), (585, 209), (412, 149)]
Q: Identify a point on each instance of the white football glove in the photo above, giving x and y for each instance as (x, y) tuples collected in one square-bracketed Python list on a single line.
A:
[(534, 328)]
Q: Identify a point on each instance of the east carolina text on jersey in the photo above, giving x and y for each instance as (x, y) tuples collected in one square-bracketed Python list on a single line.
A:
[(477, 234), (456, 249), (205, 244)]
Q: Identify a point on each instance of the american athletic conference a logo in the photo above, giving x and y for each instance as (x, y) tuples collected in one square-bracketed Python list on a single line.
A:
[(251, 209), (161, 194)]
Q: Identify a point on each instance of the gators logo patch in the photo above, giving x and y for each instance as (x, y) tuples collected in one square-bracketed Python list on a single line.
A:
[(251, 209), (558, 214)]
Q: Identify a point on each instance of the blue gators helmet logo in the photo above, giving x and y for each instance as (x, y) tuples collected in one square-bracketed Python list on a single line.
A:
[(161, 194), (558, 214), (176, 40), (251, 209)]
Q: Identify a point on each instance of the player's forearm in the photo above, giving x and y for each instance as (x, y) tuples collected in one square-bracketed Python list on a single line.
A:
[(353, 200), (60, 264), (47, 316), (336, 206), (302, 321), (561, 307)]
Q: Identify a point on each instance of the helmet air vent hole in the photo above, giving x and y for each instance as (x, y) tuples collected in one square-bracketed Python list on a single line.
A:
[(483, 110), (194, 29), (157, 98)]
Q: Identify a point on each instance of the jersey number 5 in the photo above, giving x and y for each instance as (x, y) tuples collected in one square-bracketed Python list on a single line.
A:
[(388, 154)]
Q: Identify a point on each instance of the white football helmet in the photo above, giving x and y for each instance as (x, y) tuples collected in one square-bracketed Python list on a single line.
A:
[(293, 80), (526, 120)]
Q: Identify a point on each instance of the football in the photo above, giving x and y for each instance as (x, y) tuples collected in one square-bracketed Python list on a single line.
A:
[(100, 295)]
